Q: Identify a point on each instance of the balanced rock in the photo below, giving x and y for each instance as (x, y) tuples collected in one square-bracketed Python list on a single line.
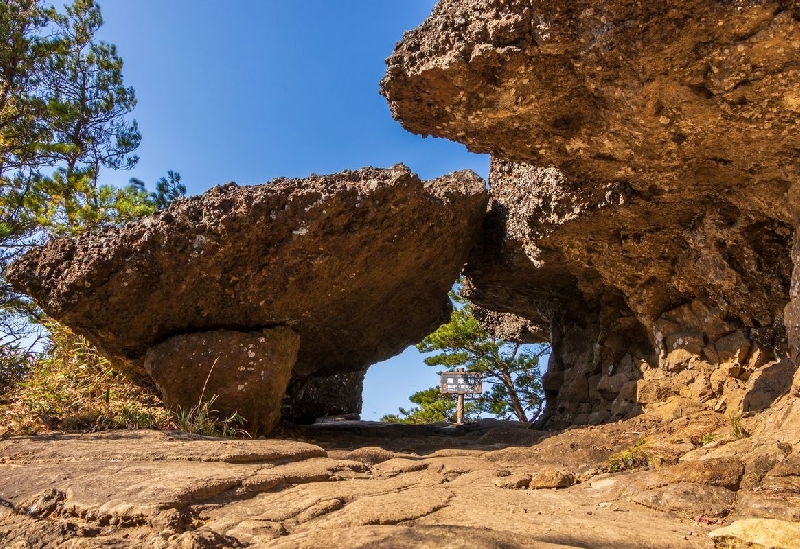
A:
[(358, 264), (644, 192)]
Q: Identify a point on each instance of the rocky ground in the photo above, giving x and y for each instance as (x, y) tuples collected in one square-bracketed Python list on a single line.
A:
[(643, 482)]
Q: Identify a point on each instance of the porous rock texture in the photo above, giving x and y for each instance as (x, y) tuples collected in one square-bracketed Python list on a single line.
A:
[(244, 372), (358, 264), (644, 188)]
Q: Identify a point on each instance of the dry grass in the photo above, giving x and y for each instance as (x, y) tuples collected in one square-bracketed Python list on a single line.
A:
[(71, 388)]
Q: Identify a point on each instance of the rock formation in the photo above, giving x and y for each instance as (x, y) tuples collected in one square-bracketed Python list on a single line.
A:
[(245, 373), (644, 191), (357, 265)]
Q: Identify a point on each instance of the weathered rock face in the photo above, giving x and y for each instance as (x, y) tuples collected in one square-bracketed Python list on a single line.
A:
[(245, 372), (644, 195), (357, 264)]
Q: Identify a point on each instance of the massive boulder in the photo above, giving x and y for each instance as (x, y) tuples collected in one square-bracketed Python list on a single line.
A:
[(357, 264), (232, 372), (644, 191)]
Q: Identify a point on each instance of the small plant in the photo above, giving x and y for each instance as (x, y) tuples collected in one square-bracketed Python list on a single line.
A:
[(201, 419), (736, 425), (632, 458), (708, 438)]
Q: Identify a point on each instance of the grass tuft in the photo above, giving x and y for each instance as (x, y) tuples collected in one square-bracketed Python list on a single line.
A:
[(737, 427), (632, 458)]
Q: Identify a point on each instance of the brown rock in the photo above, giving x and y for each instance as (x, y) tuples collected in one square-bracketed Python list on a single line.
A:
[(767, 384), (687, 498), (358, 264), (768, 506), (792, 310), (552, 478), (321, 254), (758, 534), (785, 477), (511, 327), (516, 481), (725, 472), (651, 392), (674, 407), (621, 189), (732, 348), (242, 372)]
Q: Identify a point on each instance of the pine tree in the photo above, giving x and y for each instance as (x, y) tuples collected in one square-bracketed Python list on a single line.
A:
[(64, 116), (512, 369)]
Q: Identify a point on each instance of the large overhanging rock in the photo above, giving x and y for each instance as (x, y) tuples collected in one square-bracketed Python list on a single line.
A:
[(644, 193), (358, 264)]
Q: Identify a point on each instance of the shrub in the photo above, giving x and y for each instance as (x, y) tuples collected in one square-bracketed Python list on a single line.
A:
[(71, 387)]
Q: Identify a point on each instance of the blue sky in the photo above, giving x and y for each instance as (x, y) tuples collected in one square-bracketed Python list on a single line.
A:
[(247, 91)]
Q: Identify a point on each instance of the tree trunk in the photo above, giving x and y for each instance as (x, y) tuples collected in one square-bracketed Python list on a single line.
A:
[(516, 405)]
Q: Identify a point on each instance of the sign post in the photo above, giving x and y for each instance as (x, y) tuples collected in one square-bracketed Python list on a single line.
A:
[(460, 383), (460, 410)]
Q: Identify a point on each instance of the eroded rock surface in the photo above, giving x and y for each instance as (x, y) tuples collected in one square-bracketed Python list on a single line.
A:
[(357, 264), (487, 485), (644, 187), (245, 373)]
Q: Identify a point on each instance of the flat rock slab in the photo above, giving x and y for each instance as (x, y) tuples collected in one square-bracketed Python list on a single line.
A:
[(371, 486), (152, 446), (358, 264)]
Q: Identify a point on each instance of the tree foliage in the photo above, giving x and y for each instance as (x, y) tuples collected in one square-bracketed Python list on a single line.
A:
[(64, 116), (512, 369)]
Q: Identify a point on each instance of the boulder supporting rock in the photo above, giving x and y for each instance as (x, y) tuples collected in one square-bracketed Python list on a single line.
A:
[(231, 372)]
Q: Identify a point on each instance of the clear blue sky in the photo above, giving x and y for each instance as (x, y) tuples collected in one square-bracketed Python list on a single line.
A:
[(247, 91)]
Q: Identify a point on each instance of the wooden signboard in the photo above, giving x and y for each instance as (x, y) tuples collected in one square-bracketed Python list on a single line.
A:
[(461, 383)]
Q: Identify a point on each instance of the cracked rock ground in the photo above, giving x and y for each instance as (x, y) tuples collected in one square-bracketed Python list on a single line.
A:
[(360, 484)]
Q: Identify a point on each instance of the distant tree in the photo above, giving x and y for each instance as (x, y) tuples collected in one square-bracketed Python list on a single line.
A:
[(167, 189), (511, 368), (88, 104), (432, 406)]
